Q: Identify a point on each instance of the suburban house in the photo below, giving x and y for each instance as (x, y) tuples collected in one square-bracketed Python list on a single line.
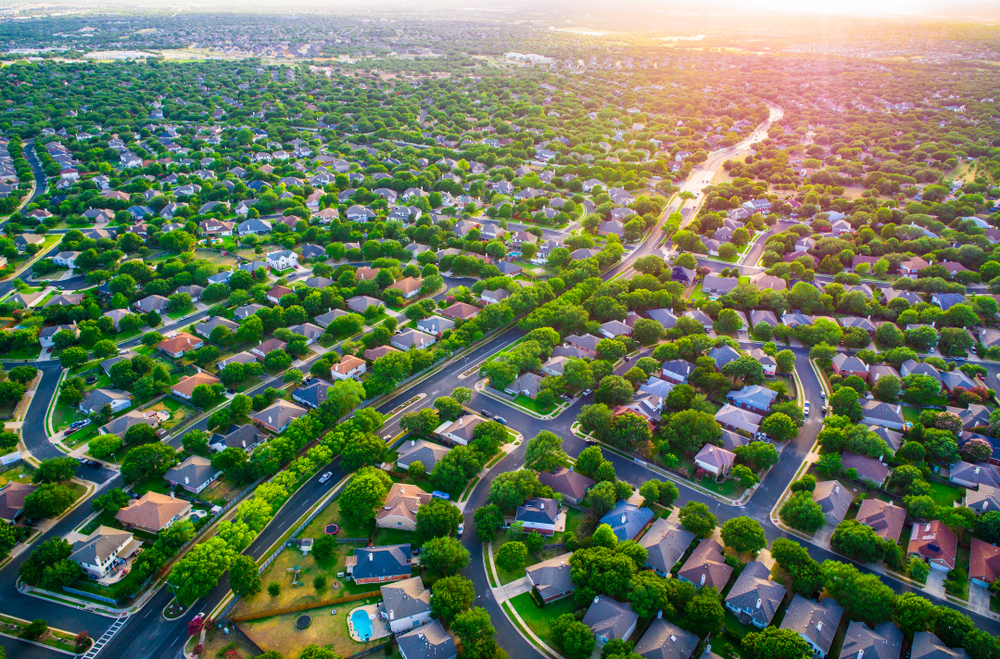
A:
[(844, 366), (186, 386), (400, 508), (724, 355), (877, 413), (571, 484), (435, 325), (935, 543), (986, 498), (538, 514), (715, 460), (665, 640), (754, 397), (407, 604), (754, 598), (408, 286), (664, 317), (984, 563), (430, 641), (928, 646), (377, 564), (461, 311), (278, 415), (12, 500), (706, 566), (359, 303), (151, 303), (179, 345), (95, 401), (98, 553), (627, 520), (349, 367), (46, 337), (677, 371), (205, 328), (816, 622), (420, 450), (371, 354), (153, 512), (527, 383), (120, 425), (717, 285), (883, 642), (411, 338), (833, 499), (282, 259), (194, 474), (769, 363), (277, 292), (585, 343), (615, 328), (551, 578), (245, 437), (868, 469), (883, 517), (665, 544), (735, 418), (610, 619), (972, 475), (460, 430)]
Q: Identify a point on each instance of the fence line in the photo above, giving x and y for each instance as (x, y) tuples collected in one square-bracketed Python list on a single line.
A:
[(100, 598), (304, 607), (365, 653)]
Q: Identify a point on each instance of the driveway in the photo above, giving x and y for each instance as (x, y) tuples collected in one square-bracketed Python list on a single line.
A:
[(523, 585), (979, 599), (935, 584)]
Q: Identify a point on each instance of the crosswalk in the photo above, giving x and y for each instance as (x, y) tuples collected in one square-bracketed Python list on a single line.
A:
[(105, 638)]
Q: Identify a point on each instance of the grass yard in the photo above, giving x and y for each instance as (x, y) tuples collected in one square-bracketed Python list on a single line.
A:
[(151, 485), (540, 620), (529, 404), (221, 491), (331, 515), (944, 494), (728, 488), (506, 576), (16, 473), (81, 436), (218, 644), (574, 518), (215, 257), (280, 633), (104, 519), (179, 412)]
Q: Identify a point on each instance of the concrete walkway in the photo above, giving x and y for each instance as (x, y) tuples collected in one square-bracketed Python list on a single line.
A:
[(523, 585)]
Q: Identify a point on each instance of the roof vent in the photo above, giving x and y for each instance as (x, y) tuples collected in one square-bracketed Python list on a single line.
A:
[(819, 626), (413, 442), (597, 599), (624, 518), (673, 639), (976, 471), (187, 481), (703, 579), (759, 602)]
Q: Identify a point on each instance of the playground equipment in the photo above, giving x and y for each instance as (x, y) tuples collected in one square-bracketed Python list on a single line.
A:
[(294, 571)]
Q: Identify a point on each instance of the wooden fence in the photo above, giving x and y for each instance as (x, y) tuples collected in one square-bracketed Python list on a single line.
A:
[(303, 607)]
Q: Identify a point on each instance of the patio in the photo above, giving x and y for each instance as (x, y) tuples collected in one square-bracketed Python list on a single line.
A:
[(122, 564), (380, 626)]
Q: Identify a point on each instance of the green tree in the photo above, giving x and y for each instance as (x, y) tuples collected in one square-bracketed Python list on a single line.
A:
[(705, 614), (511, 555), (572, 637), (444, 556), (744, 534), (696, 518), (544, 452), (802, 513), (777, 643), (863, 596), (48, 500), (451, 596), (858, 541), (488, 520), (243, 576), (364, 493), (55, 470), (779, 427), (844, 402), (438, 518), (194, 575)]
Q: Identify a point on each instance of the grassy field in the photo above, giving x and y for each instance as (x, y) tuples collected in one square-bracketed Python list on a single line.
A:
[(20, 473), (540, 620), (944, 494), (280, 633)]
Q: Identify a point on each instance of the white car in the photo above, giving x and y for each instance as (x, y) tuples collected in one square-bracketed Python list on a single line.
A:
[(805, 408), (325, 477)]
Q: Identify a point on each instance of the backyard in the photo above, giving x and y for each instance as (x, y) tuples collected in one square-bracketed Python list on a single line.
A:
[(19, 472), (327, 630), (540, 620)]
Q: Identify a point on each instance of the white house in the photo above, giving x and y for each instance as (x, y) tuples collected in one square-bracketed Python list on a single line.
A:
[(349, 367), (99, 551), (282, 260), (66, 259)]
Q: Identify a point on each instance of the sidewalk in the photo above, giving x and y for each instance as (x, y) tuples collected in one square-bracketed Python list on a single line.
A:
[(499, 593)]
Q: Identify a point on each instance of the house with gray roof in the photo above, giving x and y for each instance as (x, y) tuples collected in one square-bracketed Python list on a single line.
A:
[(359, 303), (551, 578), (194, 474), (610, 619), (875, 412), (430, 641), (834, 499), (973, 475), (96, 400), (706, 566), (527, 383), (627, 520), (754, 598), (948, 300), (435, 325), (928, 646), (584, 342), (975, 415), (324, 320), (735, 418), (816, 622), (717, 285), (245, 437), (986, 498), (206, 327), (380, 564), (99, 551), (794, 319), (868, 469), (665, 544), (411, 338), (420, 450), (538, 514), (700, 316), (664, 317), (913, 367), (892, 438), (665, 640), (715, 460), (876, 371), (723, 355), (459, 431), (845, 365), (952, 379), (278, 415), (571, 484), (407, 604), (753, 397), (757, 316), (312, 395), (106, 364), (883, 642)]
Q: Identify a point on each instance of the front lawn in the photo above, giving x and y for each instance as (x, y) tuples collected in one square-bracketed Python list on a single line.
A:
[(946, 495), (540, 620), (506, 576)]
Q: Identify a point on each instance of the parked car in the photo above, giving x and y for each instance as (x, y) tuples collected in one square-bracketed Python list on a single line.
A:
[(461, 529), (486, 414), (586, 392), (805, 409), (325, 477)]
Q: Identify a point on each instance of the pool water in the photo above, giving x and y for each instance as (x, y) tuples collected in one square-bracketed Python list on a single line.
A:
[(362, 624)]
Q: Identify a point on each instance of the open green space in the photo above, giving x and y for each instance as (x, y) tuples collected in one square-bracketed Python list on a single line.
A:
[(540, 620)]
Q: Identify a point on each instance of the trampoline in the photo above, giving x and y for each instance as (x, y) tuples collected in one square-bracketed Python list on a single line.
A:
[(303, 622), (331, 529)]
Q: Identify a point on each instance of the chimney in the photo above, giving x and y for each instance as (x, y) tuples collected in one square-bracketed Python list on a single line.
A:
[(413, 443), (171, 494), (624, 517), (819, 626), (244, 443), (371, 556)]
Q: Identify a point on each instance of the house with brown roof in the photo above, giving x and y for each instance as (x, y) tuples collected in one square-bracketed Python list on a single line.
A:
[(12, 500), (409, 286), (278, 415), (153, 512), (461, 311), (984, 563), (349, 367), (883, 517), (834, 499), (372, 354), (460, 430), (571, 484), (185, 387), (277, 292), (935, 543), (400, 508), (260, 350), (180, 344), (706, 566)]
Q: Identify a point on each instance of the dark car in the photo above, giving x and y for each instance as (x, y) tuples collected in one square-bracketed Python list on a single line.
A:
[(31, 521), (486, 414), (94, 464)]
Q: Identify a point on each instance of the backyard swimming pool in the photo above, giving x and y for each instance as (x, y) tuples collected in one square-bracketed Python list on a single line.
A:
[(362, 624)]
